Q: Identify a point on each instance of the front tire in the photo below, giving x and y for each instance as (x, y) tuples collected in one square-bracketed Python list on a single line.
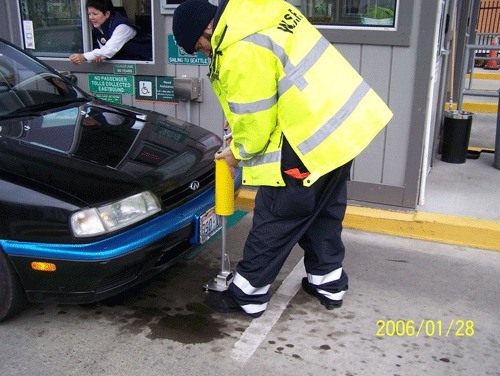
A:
[(12, 297)]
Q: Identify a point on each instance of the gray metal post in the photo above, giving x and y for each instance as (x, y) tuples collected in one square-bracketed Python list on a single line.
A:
[(496, 160), (461, 89)]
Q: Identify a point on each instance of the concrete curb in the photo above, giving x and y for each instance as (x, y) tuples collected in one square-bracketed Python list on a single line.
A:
[(485, 75), (476, 107), (450, 229)]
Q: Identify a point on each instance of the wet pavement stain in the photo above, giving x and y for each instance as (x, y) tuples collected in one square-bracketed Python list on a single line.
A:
[(400, 261), (168, 307), (198, 308), (338, 334), (196, 326), (188, 329), (218, 349)]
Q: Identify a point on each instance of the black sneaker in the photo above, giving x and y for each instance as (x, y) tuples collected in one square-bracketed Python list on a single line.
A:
[(224, 302), (311, 290)]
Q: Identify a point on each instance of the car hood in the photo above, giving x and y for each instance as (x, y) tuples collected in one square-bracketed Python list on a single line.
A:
[(96, 152)]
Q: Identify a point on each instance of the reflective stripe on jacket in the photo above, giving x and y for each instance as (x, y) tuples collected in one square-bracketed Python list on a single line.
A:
[(275, 75)]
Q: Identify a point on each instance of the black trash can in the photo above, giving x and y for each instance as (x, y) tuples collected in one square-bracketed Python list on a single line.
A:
[(456, 134)]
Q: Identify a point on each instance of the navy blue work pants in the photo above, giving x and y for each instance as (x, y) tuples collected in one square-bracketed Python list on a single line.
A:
[(284, 216)]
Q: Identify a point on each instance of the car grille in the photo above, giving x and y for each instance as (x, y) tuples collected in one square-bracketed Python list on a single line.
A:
[(118, 279), (181, 194), (159, 255)]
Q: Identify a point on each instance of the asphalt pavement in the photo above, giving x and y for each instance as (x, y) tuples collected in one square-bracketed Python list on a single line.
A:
[(413, 307)]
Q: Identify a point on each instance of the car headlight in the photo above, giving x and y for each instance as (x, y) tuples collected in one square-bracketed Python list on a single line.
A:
[(111, 217)]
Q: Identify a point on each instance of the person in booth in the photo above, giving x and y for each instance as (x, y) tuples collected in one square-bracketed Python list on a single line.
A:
[(115, 35)]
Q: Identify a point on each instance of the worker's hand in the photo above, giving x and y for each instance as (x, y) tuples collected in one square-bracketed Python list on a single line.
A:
[(228, 156), (77, 58), (228, 134), (98, 59)]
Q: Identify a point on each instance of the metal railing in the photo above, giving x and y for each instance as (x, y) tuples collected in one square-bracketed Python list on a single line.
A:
[(486, 39), (468, 91)]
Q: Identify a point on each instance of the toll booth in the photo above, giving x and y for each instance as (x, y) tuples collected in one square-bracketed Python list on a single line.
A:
[(399, 47)]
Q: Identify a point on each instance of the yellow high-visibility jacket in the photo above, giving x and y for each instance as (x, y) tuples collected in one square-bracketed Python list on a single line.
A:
[(276, 75)]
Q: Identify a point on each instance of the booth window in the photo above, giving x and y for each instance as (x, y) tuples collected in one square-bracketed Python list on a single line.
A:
[(362, 13), (59, 28)]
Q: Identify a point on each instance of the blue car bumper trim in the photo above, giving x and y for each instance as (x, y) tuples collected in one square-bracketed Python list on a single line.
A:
[(121, 243)]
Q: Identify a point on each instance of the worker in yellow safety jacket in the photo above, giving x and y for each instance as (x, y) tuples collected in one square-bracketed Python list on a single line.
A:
[(299, 113)]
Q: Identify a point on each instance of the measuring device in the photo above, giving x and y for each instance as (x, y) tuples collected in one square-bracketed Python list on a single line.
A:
[(224, 206)]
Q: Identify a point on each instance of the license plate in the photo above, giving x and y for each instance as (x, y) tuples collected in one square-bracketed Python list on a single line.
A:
[(210, 224)]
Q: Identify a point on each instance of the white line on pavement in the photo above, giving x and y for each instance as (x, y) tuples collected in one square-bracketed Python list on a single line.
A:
[(259, 328)]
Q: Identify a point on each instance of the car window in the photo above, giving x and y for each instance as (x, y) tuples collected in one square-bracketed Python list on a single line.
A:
[(55, 131), (27, 84)]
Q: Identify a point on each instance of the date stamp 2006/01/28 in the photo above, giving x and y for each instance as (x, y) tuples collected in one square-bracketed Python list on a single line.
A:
[(425, 327)]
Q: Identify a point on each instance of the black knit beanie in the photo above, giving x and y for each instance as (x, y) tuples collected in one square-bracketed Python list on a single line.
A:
[(191, 18)]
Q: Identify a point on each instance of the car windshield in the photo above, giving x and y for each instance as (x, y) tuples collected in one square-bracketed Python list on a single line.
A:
[(26, 86)]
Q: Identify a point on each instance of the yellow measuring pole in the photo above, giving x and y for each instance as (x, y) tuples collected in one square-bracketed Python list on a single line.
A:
[(224, 189)]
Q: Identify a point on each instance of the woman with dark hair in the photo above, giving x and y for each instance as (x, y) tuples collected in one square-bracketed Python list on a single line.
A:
[(115, 36)]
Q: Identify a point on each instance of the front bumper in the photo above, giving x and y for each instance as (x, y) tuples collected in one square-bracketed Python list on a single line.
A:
[(80, 281), (93, 271)]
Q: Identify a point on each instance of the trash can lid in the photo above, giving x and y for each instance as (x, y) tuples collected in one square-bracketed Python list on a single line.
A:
[(456, 114)]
